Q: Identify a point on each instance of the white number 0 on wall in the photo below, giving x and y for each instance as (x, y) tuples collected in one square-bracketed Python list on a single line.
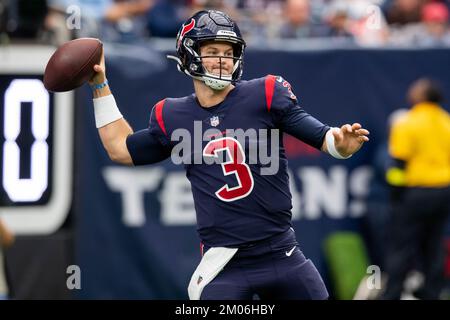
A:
[(32, 91)]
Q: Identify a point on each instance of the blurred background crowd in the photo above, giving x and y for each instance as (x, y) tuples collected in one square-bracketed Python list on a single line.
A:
[(367, 23)]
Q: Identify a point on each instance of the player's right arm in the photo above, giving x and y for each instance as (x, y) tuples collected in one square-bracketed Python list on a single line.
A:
[(114, 134), (114, 137), (120, 142)]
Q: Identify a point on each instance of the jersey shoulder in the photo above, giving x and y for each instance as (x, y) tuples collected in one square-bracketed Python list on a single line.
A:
[(279, 94), (276, 90), (172, 103), (164, 108), (281, 86), (162, 113)]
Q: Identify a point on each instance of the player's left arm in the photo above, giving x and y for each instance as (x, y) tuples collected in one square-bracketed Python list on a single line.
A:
[(292, 118)]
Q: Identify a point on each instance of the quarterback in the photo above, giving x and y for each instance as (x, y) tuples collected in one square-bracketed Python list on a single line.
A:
[(243, 214)]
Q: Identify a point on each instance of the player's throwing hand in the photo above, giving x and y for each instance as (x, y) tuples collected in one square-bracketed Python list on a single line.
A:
[(100, 72)]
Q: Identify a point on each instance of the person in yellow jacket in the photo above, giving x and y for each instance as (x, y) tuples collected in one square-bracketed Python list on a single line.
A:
[(419, 145)]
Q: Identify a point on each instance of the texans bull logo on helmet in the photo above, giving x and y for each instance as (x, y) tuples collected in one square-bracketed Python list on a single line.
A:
[(186, 28)]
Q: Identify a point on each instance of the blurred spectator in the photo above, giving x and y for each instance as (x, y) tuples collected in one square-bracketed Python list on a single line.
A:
[(401, 12), (164, 19), (419, 174), (226, 6), (119, 20), (298, 21), (23, 19), (2, 21), (6, 240), (362, 19), (434, 29), (196, 5), (250, 15), (338, 20)]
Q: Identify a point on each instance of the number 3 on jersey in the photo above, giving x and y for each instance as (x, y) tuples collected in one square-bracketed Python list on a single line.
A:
[(235, 165)]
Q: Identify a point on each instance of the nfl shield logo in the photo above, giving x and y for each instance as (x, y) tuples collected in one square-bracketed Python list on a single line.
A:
[(214, 121)]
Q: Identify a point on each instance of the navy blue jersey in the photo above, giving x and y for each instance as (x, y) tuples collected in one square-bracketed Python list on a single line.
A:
[(236, 202)]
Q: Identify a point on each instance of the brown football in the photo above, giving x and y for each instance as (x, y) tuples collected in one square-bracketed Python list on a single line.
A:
[(72, 64)]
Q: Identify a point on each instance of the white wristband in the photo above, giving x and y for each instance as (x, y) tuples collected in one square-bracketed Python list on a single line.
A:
[(331, 147), (106, 111)]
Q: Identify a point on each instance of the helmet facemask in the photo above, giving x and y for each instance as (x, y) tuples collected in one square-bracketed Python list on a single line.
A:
[(198, 70)]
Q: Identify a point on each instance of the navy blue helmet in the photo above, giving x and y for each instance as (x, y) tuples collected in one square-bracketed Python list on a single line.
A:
[(208, 25)]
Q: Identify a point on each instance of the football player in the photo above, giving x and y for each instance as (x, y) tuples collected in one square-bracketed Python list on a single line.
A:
[(244, 216)]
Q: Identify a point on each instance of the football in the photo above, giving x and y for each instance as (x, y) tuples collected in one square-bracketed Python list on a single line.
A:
[(72, 64)]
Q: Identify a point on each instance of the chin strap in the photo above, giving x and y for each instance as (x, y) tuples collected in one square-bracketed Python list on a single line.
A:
[(216, 84)]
